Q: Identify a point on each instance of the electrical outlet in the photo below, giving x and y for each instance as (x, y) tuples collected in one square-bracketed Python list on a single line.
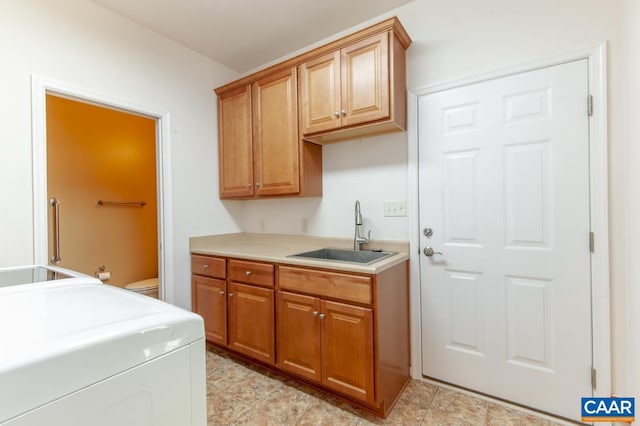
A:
[(395, 208)]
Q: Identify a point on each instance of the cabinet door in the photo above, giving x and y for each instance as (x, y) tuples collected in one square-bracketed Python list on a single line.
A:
[(347, 349), (298, 332), (210, 302), (365, 80), (234, 143), (320, 94), (275, 134), (251, 321)]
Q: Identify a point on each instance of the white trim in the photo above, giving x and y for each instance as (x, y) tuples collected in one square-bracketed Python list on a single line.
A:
[(413, 212), (598, 143), (40, 86)]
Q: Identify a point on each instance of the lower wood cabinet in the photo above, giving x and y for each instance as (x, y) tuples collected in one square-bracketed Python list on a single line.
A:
[(327, 342), (347, 333), (237, 306)]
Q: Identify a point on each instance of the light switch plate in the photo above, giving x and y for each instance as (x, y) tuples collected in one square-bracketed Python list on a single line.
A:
[(395, 208)]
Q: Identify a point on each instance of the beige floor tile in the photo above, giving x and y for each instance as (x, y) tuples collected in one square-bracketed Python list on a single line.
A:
[(226, 375), (257, 419), (254, 388), (456, 405), (503, 416), (222, 409), (285, 405), (323, 413), (240, 393), (439, 418)]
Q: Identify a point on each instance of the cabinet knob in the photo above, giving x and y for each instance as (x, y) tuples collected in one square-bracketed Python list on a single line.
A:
[(258, 184), (230, 294), (315, 313), (205, 266), (321, 316), (343, 112), (337, 114), (247, 272), (248, 185), (221, 292)]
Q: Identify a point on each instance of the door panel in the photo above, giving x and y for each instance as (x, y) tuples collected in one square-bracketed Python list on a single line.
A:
[(320, 102), (234, 143), (347, 349), (299, 335), (365, 80), (251, 322), (210, 302), (275, 134), (504, 184)]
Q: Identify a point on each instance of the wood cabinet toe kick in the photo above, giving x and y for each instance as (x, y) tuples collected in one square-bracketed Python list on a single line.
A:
[(345, 333)]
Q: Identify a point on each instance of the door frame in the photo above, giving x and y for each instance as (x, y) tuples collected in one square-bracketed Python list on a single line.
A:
[(599, 202), (40, 87)]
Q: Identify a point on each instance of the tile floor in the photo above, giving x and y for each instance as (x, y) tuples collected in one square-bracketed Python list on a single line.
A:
[(244, 394)]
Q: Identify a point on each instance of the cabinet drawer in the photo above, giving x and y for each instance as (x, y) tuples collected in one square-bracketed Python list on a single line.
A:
[(353, 288), (251, 272), (208, 266)]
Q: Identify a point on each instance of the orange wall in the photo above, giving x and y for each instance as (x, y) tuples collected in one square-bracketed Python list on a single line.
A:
[(97, 153)]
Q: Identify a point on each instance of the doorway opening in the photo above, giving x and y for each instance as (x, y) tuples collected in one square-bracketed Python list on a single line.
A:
[(138, 248), (101, 182)]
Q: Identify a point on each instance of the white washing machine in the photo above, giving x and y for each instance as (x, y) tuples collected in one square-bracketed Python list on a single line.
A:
[(74, 352)]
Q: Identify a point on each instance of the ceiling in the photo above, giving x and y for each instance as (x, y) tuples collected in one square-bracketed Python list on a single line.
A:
[(244, 34)]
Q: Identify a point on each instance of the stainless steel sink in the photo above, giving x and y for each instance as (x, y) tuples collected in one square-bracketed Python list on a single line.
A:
[(345, 255)]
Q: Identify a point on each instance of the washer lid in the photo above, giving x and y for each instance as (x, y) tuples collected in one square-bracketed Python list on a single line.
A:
[(60, 338)]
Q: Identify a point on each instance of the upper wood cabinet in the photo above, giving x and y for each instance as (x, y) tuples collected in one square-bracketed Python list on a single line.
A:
[(347, 88), (272, 122), (261, 152)]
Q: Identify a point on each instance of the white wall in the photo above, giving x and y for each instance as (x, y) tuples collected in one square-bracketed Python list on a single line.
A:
[(370, 170), (459, 38), (84, 45)]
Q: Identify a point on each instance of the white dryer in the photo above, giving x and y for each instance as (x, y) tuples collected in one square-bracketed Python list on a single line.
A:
[(74, 352)]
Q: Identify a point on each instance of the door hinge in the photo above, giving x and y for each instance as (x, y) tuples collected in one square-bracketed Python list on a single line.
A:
[(592, 242), (590, 105), (593, 378)]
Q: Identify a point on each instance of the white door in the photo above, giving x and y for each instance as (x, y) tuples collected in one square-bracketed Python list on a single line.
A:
[(504, 187)]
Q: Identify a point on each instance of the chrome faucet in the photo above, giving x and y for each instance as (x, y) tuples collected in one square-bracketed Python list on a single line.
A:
[(357, 239)]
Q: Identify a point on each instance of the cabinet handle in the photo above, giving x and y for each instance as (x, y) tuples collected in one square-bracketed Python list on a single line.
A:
[(248, 185), (230, 294), (321, 316), (257, 184), (315, 313), (205, 266), (247, 272), (343, 112), (337, 114), (221, 292)]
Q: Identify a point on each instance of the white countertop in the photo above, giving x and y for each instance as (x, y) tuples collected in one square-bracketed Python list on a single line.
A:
[(276, 248)]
